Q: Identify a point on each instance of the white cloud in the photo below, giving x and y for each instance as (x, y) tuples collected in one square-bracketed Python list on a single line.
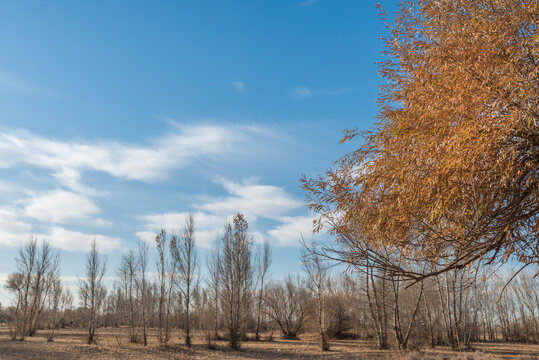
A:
[(290, 231), (304, 92), (174, 222), (254, 200), (9, 187), (145, 163), (6, 297), (71, 179), (61, 207), (208, 226), (99, 222), (147, 236), (239, 86), (77, 241), (13, 232)]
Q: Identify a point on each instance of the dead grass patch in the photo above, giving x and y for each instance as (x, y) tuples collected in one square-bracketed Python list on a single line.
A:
[(114, 344)]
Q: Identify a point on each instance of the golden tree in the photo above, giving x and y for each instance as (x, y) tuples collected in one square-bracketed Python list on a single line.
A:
[(449, 173)]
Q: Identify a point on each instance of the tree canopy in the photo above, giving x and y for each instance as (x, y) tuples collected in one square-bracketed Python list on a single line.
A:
[(449, 172)]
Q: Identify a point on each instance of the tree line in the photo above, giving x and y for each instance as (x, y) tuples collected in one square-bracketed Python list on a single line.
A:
[(235, 301)]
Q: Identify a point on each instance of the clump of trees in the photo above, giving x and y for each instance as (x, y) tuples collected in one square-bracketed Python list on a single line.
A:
[(454, 308)]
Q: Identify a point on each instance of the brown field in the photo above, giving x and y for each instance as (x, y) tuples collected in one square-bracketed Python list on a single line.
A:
[(113, 344)]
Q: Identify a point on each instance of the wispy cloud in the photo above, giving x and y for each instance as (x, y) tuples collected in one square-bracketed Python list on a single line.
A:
[(239, 86), (14, 231), (153, 162), (13, 84), (208, 226), (255, 201), (304, 92), (308, 3), (291, 229), (64, 239), (57, 215), (72, 179)]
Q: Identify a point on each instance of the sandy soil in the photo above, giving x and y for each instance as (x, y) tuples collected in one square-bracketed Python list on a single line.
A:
[(113, 344)]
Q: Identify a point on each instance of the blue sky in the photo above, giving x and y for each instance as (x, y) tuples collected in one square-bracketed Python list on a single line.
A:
[(118, 118)]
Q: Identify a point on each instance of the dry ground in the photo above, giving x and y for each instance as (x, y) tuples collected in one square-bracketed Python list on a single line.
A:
[(113, 344)]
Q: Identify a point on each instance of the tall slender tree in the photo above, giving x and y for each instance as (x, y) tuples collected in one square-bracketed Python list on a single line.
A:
[(162, 277), (143, 287), (263, 262), (214, 285), (186, 259), (91, 289), (316, 269), (236, 277), (127, 272)]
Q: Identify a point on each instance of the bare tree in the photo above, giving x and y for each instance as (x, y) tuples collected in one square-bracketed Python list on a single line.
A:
[(403, 324), (91, 289), (162, 263), (127, 272), (15, 283), (186, 261), (58, 299), (166, 277), (454, 296), (142, 287), (214, 285), (48, 267), (207, 318), (37, 268), (377, 296), (263, 262), (527, 294), (170, 298), (286, 304), (316, 269), (340, 306), (431, 310), (236, 274)]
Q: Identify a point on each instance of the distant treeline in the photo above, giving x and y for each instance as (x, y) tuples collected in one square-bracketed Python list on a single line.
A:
[(236, 301)]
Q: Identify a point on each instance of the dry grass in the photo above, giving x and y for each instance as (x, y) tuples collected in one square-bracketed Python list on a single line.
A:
[(113, 344)]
